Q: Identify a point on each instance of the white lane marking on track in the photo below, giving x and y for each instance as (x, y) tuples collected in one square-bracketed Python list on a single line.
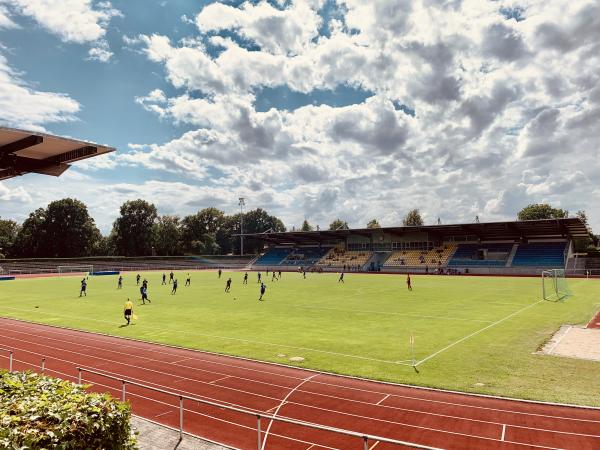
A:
[(220, 379), (380, 401), (323, 383), (179, 361), (476, 332), (388, 313), (374, 445), (264, 443), (249, 341), (503, 432), (380, 420), (163, 414)]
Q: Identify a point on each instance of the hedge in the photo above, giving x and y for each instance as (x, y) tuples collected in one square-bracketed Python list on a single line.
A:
[(40, 412)]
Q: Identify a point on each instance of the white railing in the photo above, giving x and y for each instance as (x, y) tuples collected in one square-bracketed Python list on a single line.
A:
[(365, 438)]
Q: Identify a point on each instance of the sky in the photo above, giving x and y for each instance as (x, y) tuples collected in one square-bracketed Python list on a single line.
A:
[(311, 109)]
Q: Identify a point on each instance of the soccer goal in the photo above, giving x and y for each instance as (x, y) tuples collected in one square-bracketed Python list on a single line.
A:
[(554, 285), (75, 269)]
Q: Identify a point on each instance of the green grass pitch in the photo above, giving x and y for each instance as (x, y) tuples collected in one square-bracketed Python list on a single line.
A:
[(475, 334)]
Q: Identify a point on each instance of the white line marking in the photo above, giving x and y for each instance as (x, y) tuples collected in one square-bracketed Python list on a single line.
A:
[(162, 414), (249, 341), (551, 350), (220, 379), (477, 332), (374, 445), (503, 432), (388, 313), (279, 407), (380, 401), (179, 361)]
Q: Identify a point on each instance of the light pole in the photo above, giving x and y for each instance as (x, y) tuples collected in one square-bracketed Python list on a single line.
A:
[(242, 203)]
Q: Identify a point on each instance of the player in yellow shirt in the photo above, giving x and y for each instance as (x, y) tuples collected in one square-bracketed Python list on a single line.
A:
[(128, 310)]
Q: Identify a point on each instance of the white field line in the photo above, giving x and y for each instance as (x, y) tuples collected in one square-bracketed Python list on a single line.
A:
[(264, 443), (387, 313), (374, 445), (551, 350), (220, 379), (327, 410), (248, 341), (476, 332), (503, 432), (305, 391)]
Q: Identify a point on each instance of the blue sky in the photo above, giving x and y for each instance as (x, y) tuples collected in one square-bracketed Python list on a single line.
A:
[(311, 109)]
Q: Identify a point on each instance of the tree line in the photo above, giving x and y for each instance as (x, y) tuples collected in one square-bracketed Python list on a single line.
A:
[(65, 229)]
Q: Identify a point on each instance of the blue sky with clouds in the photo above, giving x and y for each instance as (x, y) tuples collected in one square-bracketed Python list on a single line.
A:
[(311, 109)]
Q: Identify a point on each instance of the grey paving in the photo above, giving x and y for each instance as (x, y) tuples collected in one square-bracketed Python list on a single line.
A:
[(156, 437)]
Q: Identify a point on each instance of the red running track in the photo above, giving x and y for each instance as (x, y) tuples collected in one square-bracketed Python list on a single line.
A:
[(595, 322), (429, 417)]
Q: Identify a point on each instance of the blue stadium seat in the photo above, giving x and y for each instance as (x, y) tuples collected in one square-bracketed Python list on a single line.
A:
[(465, 255), (541, 254), (273, 257)]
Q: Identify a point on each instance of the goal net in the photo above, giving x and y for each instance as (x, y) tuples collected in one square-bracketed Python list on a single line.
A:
[(75, 269), (554, 285)]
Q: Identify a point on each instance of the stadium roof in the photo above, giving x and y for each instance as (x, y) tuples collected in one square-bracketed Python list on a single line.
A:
[(23, 152), (572, 228)]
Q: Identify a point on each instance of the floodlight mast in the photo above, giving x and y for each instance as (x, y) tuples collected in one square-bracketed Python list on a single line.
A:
[(242, 203)]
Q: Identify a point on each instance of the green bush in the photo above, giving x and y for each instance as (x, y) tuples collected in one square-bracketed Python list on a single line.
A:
[(40, 412)]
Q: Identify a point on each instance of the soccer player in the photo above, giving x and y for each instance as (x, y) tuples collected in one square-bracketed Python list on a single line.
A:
[(274, 277), (228, 285), (164, 279), (188, 280), (220, 273), (263, 288), (144, 292), (145, 284), (128, 310), (83, 288), (120, 283), (304, 274), (246, 278), (408, 283), (174, 291), (258, 276), (341, 279), (280, 274), (171, 277), (137, 279)]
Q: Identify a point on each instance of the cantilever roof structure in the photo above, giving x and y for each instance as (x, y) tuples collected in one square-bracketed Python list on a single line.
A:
[(23, 152), (568, 228)]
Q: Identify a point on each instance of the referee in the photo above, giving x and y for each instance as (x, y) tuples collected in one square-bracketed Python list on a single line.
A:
[(128, 310)]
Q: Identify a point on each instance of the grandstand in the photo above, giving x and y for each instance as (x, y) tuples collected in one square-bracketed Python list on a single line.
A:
[(517, 247)]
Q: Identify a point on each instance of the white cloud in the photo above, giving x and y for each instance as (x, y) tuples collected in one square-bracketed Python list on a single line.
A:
[(18, 194), (72, 20), (100, 52), (5, 20), (23, 107)]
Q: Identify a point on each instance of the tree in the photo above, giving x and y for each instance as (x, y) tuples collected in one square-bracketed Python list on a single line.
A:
[(134, 228), (339, 224), (199, 231), (536, 211), (167, 236), (373, 224), (8, 235), (69, 230), (306, 226), (581, 214), (31, 236), (413, 218)]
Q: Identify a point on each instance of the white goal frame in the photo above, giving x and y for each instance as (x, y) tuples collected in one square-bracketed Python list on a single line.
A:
[(552, 288), (75, 269)]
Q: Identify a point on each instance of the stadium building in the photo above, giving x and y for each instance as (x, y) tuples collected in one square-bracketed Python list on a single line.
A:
[(518, 248)]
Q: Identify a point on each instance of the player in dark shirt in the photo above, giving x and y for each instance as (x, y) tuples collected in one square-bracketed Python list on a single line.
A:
[(263, 288), (83, 288), (246, 278), (188, 280), (174, 291), (341, 279), (120, 282), (171, 277), (137, 279), (228, 285), (408, 282), (220, 272), (164, 279)]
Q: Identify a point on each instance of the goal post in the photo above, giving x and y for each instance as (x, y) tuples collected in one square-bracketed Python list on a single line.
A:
[(554, 285), (75, 269)]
